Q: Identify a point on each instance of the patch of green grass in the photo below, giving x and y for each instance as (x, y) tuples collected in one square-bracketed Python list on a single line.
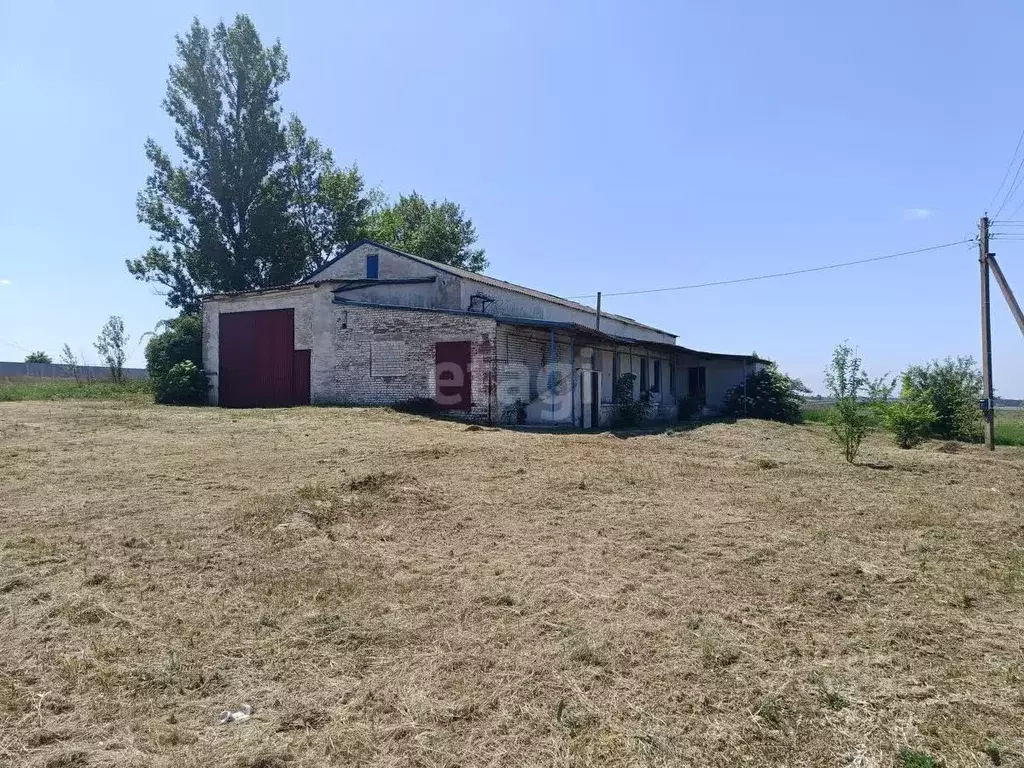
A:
[(1009, 422), (911, 758), (816, 414), (69, 389), (1010, 427)]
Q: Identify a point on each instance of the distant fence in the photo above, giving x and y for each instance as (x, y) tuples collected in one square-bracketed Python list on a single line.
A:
[(55, 371)]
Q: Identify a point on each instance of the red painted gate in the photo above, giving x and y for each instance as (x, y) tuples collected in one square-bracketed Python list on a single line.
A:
[(452, 376), (257, 364)]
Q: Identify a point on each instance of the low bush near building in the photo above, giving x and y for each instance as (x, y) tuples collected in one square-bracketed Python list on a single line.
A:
[(180, 342), (631, 411), (766, 394)]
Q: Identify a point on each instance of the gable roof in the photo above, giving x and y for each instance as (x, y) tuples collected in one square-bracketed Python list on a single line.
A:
[(485, 280)]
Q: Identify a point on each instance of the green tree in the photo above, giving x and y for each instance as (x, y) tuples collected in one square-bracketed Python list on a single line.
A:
[(38, 357), (952, 387), (111, 345), (330, 205), (850, 419), (221, 217), (767, 394), (437, 231)]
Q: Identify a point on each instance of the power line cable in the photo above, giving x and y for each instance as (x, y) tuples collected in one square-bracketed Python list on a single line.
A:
[(1008, 167), (1012, 190), (778, 274)]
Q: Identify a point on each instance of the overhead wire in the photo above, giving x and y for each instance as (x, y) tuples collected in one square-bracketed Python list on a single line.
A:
[(774, 275), (1006, 175)]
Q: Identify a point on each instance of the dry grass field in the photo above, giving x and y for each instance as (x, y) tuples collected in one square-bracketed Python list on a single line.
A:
[(388, 590)]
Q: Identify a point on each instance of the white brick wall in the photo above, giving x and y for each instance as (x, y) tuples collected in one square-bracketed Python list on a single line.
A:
[(454, 292), (375, 355), (406, 339)]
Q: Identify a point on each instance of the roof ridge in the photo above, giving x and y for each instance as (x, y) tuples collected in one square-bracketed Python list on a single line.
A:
[(470, 275)]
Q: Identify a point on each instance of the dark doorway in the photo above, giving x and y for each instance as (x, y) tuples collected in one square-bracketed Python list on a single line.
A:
[(697, 385), (452, 375), (256, 358)]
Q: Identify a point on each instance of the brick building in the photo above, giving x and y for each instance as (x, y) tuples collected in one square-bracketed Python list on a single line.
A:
[(376, 326)]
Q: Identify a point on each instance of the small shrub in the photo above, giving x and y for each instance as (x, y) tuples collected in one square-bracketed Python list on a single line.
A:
[(38, 357), (766, 394), (952, 388), (856, 398), (631, 411), (184, 384), (909, 422), (849, 422), (181, 341), (514, 413)]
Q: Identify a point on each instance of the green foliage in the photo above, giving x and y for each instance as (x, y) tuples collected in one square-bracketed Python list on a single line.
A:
[(38, 357), (952, 388), (184, 384), (766, 394), (437, 231), (221, 217), (908, 421), (111, 345), (849, 422), (69, 389), (329, 205), (180, 342), (631, 411), (255, 201), (514, 413), (911, 758), (850, 418)]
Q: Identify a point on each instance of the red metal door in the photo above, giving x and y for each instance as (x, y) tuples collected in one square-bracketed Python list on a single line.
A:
[(300, 377), (256, 358), (452, 376)]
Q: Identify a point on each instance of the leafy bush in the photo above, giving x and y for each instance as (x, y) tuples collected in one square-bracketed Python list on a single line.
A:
[(38, 357), (184, 384), (182, 341), (514, 413), (952, 388), (850, 418), (631, 411), (766, 394), (909, 422)]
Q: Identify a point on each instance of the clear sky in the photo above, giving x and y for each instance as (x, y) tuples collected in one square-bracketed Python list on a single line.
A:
[(597, 146)]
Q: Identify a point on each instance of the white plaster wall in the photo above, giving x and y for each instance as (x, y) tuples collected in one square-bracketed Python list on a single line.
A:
[(454, 292), (312, 307)]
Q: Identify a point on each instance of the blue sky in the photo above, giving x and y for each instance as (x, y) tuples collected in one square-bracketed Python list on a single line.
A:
[(597, 146)]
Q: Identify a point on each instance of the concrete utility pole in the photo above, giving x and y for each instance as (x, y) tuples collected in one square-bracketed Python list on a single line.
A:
[(986, 335)]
